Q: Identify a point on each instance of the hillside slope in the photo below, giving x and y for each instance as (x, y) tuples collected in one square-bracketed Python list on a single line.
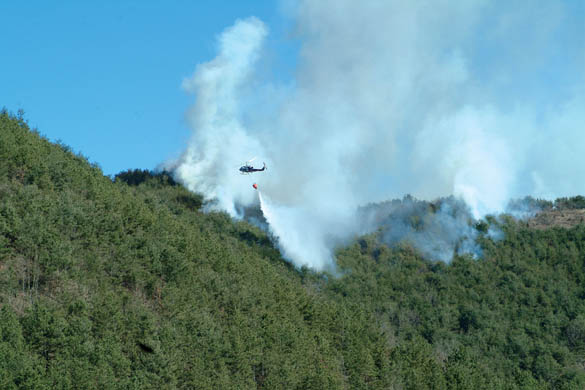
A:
[(107, 285), (126, 284)]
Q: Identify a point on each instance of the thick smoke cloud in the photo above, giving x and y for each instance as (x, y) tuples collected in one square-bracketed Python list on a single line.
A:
[(480, 100)]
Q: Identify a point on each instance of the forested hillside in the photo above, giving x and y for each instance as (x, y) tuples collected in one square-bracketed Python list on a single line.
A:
[(124, 284)]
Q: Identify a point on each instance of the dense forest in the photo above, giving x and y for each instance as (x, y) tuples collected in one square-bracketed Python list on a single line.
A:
[(123, 283)]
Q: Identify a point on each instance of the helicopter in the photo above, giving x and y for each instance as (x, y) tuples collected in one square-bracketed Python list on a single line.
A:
[(247, 168)]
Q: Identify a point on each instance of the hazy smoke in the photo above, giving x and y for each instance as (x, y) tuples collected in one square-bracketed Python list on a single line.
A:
[(439, 229), (480, 100)]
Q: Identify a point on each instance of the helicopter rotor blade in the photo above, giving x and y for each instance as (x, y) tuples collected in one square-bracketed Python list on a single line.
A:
[(247, 162)]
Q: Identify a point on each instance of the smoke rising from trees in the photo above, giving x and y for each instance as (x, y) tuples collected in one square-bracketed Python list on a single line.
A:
[(483, 101)]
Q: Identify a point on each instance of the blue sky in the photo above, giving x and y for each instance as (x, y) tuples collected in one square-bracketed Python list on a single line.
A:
[(105, 77)]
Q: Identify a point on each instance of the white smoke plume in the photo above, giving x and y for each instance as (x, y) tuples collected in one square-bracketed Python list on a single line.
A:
[(480, 100), (220, 140)]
